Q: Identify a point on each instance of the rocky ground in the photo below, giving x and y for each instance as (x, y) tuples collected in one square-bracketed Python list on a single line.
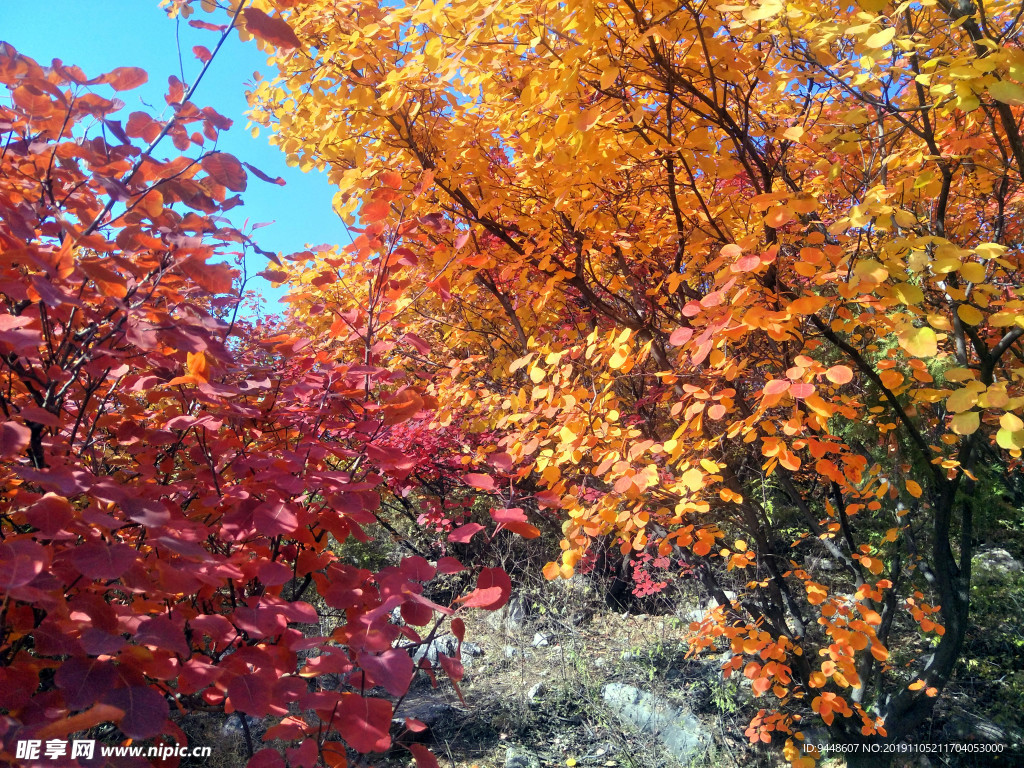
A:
[(557, 678), (560, 680)]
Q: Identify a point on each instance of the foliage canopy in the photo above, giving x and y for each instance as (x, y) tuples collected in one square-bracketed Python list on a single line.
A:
[(738, 284)]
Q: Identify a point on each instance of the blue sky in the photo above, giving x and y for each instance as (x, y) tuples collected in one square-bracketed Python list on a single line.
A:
[(99, 35)]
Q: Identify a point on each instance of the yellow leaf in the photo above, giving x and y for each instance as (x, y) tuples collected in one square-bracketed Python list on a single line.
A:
[(881, 39), (693, 479), (966, 423), (801, 204), (1011, 422), (914, 489), (908, 293), (919, 342), (1006, 92), (1011, 441), (794, 134), (973, 272), (764, 11), (904, 218), (961, 400), (989, 250), (970, 315), (995, 397), (709, 465), (869, 269), (618, 359), (608, 78), (536, 375)]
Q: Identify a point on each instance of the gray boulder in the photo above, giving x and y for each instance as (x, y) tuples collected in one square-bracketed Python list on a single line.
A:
[(520, 758), (682, 734), (995, 566), (510, 617), (446, 644)]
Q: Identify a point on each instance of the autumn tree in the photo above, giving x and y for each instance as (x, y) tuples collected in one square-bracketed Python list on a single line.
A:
[(735, 282), (177, 476)]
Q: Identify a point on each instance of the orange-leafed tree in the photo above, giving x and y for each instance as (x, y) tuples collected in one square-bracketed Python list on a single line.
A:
[(739, 282)]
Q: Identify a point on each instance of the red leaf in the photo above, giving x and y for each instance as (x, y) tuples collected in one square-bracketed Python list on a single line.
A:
[(482, 482), (525, 530), (463, 534), (101, 561), (225, 169), (418, 343), (391, 459), (500, 461), (801, 389), (364, 723), (493, 589), (417, 568), (509, 515), (250, 694), (274, 518), (207, 26), (459, 629), (50, 514), (83, 721), (448, 565), (271, 30), (452, 667), (514, 519), (266, 758), (35, 415), (274, 574), (263, 176), (202, 53), (680, 336), (162, 632), (14, 438), (423, 756), (702, 352), (84, 680), (414, 725), (392, 669), (417, 614), (20, 562), (304, 755), (145, 710)]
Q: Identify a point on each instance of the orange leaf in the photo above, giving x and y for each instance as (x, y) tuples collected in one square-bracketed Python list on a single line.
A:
[(197, 366), (839, 374), (126, 78), (374, 211), (225, 170)]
